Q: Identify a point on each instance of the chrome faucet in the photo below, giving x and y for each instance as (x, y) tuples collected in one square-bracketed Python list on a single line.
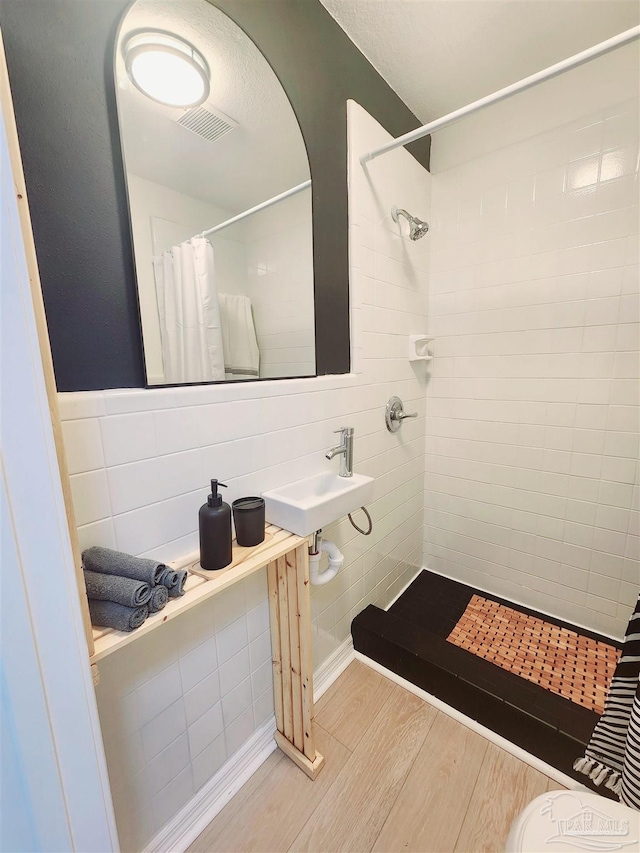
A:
[(345, 451)]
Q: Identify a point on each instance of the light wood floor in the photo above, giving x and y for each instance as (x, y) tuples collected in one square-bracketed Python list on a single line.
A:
[(399, 776)]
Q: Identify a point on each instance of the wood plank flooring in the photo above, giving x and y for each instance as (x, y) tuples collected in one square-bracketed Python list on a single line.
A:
[(399, 775)]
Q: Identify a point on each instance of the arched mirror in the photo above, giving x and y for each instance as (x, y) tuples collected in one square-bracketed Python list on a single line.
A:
[(208, 134)]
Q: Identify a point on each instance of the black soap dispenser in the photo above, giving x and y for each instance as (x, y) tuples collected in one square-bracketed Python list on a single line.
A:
[(215, 530)]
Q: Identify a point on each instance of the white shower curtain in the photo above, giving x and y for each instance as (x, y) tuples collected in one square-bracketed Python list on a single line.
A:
[(189, 313)]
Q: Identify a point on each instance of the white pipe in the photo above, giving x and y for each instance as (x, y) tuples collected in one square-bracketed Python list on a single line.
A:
[(336, 562), (257, 208), (539, 77)]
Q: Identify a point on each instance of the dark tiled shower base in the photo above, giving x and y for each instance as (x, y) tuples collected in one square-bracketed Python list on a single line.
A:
[(410, 639)]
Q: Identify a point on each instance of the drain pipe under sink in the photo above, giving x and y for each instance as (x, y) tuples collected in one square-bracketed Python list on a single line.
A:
[(336, 560)]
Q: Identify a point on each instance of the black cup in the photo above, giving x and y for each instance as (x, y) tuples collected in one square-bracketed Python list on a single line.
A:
[(248, 518)]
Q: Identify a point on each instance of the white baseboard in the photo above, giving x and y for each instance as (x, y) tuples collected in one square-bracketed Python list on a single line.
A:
[(193, 818), (503, 743), (332, 668)]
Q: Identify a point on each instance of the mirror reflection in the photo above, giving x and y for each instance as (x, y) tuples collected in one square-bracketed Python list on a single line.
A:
[(208, 134)]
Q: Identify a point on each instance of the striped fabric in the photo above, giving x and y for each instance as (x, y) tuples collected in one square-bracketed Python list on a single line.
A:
[(630, 787), (612, 757)]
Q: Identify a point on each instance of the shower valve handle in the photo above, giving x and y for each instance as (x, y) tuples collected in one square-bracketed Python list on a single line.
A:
[(395, 414)]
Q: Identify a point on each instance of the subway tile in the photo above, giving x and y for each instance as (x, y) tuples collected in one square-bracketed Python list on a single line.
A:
[(126, 401), (128, 438), (610, 565), (609, 541), (90, 496), (180, 473), (613, 518), (202, 697), (621, 444), (176, 430), (620, 129), (163, 729), (207, 763), (173, 796), (237, 701), (168, 764), (85, 404), (159, 693), (263, 707), (205, 730), (134, 485), (260, 650), (97, 533), (218, 460), (258, 620), (150, 526), (239, 731), (235, 670), (198, 664), (83, 445), (229, 606), (256, 589), (232, 639), (604, 588)]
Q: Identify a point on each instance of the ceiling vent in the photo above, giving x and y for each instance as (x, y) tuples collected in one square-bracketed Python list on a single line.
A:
[(207, 122)]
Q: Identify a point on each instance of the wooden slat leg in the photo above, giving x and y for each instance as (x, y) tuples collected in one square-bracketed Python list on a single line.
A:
[(311, 768), (306, 655), (276, 654), (294, 639), (285, 650), (290, 613)]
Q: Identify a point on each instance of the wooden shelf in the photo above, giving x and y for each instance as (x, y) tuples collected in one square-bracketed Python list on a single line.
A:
[(201, 585)]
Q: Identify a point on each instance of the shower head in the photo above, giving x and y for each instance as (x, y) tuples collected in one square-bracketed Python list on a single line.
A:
[(417, 228)]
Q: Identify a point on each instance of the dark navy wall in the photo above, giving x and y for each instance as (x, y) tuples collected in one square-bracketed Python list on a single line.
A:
[(60, 59)]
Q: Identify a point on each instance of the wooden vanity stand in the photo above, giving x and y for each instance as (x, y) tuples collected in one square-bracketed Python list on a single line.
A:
[(286, 557)]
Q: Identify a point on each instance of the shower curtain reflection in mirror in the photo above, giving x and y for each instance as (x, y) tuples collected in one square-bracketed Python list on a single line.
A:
[(196, 321)]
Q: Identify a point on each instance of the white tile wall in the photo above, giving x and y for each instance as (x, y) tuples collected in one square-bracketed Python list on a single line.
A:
[(178, 702), (531, 487), (279, 257)]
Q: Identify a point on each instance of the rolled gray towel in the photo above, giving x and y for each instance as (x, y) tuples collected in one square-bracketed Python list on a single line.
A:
[(110, 614), (108, 562), (159, 597), (177, 587), (114, 588), (167, 577)]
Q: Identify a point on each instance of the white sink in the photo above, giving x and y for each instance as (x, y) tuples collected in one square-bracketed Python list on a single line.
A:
[(308, 505)]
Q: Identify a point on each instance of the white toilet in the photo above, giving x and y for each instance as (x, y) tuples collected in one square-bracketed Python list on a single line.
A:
[(574, 820)]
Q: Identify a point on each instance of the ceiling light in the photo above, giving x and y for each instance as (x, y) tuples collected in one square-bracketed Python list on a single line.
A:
[(167, 69)]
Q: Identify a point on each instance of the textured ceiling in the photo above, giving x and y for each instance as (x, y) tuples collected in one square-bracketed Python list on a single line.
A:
[(439, 55), (260, 158)]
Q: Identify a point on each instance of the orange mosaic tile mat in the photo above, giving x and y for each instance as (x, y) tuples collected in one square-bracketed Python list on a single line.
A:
[(555, 658)]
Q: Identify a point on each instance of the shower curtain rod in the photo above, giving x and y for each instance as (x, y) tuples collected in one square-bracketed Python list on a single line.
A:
[(546, 74), (257, 208)]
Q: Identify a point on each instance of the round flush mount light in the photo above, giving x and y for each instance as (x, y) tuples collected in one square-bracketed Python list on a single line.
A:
[(167, 69)]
